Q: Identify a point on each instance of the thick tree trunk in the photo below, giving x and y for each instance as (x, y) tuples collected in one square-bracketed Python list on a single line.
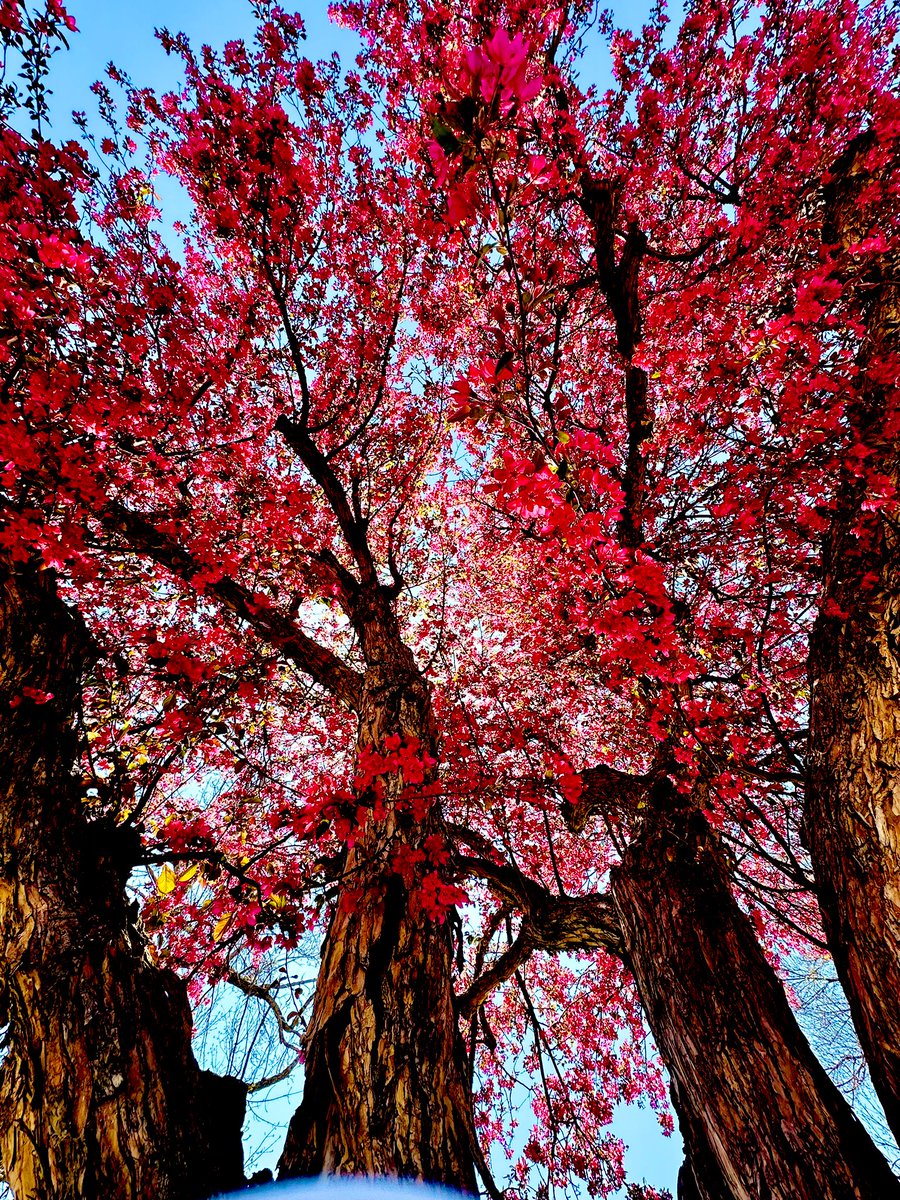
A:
[(100, 1095), (760, 1118), (385, 1090), (852, 817)]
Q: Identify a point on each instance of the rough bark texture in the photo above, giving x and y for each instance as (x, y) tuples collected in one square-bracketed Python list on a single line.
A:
[(699, 1179), (852, 817), (385, 1090), (760, 1118), (100, 1095)]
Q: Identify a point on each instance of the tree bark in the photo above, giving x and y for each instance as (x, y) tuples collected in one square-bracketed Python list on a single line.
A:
[(100, 1095), (852, 815), (385, 1090), (760, 1118), (699, 1181)]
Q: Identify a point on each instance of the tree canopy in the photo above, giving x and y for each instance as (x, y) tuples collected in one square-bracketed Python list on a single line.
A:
[(480, 513)]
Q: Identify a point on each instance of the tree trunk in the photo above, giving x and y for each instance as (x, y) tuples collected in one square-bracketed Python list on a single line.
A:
[(699, 1178), (852, 816), (760, 1118), (100, 1095), (385, 1090)]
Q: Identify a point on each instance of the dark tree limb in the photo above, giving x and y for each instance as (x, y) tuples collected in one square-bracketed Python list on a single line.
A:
[(272, 626)]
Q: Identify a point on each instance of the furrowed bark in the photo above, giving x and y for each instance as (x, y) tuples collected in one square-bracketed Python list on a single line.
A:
[(698, 1178), (385, 1090), (759, 1115), (852, 815), (100, 1095)]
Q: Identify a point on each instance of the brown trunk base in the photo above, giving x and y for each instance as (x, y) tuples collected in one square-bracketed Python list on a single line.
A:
[(760, 1117), (386, 1090), (100, 1095)]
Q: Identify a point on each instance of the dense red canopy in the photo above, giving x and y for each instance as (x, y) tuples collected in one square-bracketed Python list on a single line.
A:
[(567, 373)]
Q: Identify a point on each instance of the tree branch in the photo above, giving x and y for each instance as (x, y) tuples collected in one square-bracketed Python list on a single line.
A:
[(287, 1032), (272, 626), (504, 968), (600, 201), (353, 528), (555, 924), (605, 790)]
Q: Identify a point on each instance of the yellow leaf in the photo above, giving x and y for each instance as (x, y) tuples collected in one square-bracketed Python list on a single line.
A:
[(189, 874), (221, 925), (166, 880)]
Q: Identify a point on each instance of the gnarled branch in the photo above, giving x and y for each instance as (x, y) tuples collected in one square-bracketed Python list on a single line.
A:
[(272, 626)]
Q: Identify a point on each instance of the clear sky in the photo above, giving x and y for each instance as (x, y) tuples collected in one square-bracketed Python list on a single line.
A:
[(121, 31)]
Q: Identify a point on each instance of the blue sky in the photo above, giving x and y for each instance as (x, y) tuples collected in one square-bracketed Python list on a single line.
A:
[(122, 32)]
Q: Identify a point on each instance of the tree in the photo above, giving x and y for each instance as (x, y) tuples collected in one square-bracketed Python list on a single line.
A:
[(646, 576), (387, 951), (853, 659), (99, 1092), (400, 640)]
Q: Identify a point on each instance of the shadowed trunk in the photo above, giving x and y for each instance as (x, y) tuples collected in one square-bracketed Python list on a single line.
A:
[(100, 1095), (759, 1116), (699, 1177), (385, 1090), (852, 816)]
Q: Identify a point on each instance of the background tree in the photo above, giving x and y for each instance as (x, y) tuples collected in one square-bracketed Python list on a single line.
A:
[(853, 766)]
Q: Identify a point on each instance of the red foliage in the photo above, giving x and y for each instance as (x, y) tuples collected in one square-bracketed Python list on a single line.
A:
[(449, 267)]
